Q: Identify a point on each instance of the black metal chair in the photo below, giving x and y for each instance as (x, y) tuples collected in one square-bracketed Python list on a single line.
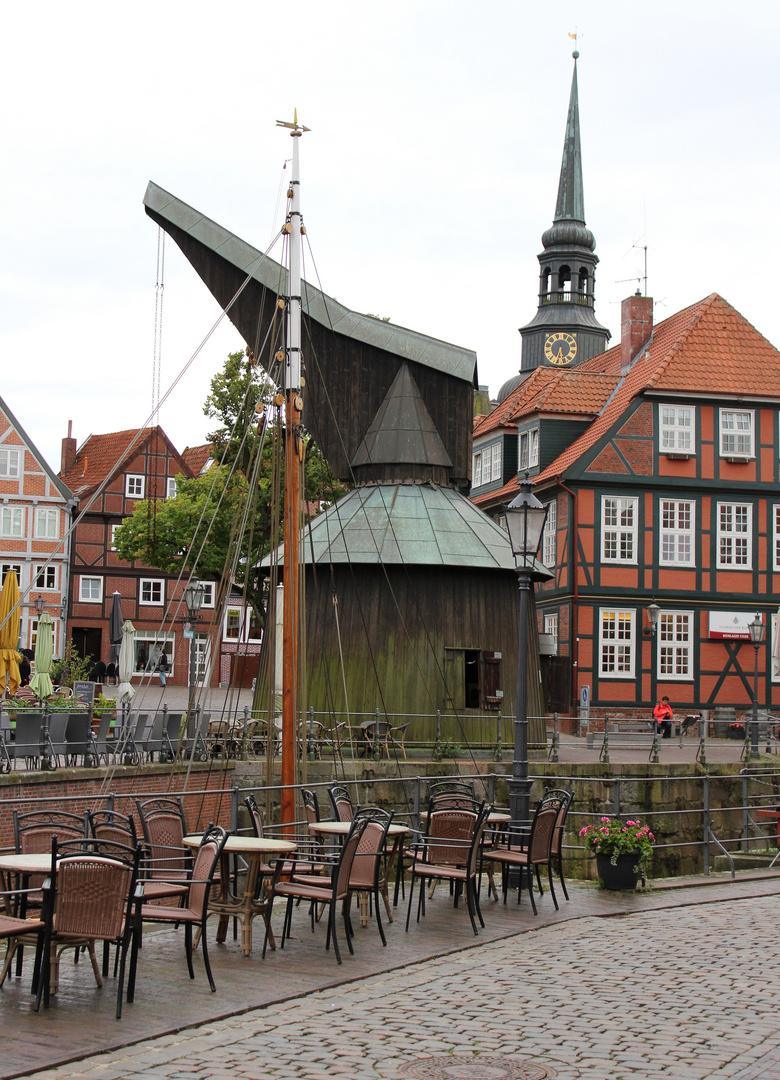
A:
[(567, 798), (195, 910), (79, 741), (340, 800), (366, 874), (528, 851)]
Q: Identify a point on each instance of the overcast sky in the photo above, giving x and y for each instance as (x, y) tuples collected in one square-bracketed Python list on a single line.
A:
[(428, 177)]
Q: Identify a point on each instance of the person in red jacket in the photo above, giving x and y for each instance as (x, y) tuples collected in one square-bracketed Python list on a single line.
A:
[(663, 714)]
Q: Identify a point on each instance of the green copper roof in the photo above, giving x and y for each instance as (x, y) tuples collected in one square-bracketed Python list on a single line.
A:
[(571, 198), (402, 431)]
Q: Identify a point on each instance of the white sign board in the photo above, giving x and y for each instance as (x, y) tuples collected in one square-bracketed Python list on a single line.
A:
[(585, 700), (730, 625)]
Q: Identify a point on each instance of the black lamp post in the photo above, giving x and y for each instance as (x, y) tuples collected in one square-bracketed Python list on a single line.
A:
[(193, 600), (757, 631), (525, 517)]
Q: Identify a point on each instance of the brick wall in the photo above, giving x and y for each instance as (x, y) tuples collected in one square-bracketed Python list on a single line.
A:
[(207, 796)]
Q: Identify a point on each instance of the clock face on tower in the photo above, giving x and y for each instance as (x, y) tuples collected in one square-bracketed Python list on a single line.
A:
[(560, 348)]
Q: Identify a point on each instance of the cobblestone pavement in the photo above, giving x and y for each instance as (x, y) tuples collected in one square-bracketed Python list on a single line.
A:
[(685, 993)]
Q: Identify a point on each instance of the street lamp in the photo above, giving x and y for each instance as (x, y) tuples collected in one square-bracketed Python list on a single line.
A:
[(525, 517), (39, 605), (653, 611), (757, 631), (193, 600)]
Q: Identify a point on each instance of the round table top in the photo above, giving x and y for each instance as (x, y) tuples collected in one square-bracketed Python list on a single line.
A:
[(341, 828), (248, 845), (36, 863)]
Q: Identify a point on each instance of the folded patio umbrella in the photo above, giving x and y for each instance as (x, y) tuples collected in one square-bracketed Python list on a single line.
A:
[(40, 683), (115, 623), (126, 662), (776, 646), (9, 633)]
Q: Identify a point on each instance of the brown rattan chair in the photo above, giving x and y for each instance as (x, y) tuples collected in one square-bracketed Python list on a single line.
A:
[(566, 798), (528, 851), (397, 737), (167, 862), (14, 927), (88, 897), (366, 877), (450, 851), (329, 892), (33, 831), (111, 825), (195, 910), (340, 800)]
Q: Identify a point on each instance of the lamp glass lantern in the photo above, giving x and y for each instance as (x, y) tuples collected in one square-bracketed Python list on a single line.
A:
[(525, 517), (757, 630), (39, 605), (193, 599)]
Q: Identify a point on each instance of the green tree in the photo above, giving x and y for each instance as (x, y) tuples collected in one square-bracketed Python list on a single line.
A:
[(198, 529)]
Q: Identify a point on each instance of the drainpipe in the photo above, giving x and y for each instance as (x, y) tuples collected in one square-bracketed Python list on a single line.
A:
[(575, 640)]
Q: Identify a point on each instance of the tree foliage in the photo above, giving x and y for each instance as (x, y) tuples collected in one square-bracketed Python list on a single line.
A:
[(198, 529)]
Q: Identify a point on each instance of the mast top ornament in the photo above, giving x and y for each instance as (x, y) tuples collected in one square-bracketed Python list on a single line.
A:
[(295, 127)]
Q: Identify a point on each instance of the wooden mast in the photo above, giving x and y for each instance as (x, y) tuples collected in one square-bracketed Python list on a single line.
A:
[(294, 446)]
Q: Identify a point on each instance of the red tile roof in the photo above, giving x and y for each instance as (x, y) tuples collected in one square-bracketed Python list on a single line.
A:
[(102, 456), (705, 348), (197, 456), (552, 392)]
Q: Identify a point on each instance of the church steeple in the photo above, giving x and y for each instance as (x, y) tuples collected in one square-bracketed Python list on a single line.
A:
[(564, 331)]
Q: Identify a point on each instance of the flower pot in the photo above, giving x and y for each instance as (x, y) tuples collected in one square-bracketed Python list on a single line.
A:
[(620, 875)]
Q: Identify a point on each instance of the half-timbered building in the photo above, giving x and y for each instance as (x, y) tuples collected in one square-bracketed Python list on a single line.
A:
[(660, 463), (35, 515)]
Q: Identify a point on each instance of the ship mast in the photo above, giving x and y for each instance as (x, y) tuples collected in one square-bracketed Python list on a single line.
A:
[(294, 452)]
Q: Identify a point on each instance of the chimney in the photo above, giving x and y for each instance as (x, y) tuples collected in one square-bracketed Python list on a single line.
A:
[(636, 328), (68, 455)]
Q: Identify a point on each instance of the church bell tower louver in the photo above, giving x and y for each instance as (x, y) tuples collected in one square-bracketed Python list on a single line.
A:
[(564, 331)]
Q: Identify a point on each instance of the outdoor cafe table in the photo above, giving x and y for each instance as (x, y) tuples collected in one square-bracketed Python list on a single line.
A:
[(395, 832), (244, 907)]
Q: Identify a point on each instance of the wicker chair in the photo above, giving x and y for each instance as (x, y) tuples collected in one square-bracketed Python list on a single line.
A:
[(451, 851), (33, 831), (340, 800), (529, 851), (167, 861), (566, 798), (195, 910), (331, 893), (87, 898), (366, 875), (111, 825), (14, 928)]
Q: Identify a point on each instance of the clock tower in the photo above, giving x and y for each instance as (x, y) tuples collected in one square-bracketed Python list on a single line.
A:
[(565, 331)]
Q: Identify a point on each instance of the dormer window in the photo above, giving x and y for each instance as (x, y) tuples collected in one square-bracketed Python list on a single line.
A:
[(529, 449), (736, 434)]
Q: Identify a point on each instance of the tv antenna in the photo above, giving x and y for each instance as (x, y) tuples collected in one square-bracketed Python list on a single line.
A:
[(639, 278)]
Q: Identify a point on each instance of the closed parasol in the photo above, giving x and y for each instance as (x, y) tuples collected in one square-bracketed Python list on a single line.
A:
[(9, 633), (40, 683), (115, 623), (126, 663)]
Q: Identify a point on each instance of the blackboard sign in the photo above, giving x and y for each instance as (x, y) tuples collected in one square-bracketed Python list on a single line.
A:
[(85, 693)]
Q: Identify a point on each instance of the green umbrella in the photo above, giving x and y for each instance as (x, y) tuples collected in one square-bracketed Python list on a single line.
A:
[(40, 683)]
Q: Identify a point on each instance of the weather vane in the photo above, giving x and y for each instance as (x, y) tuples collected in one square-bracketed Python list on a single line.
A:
[(575, 36), (296, 128)]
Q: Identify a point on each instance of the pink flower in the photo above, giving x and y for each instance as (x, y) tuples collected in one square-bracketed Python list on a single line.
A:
[(605, 819)]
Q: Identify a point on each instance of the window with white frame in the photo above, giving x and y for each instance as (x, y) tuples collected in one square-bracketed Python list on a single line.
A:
[(616, 643), (9, 463), (736, 433), (777, 535), (677, 521), (496, 457), (735, 521), (47, 524), (90, 589), (551, 627), (46, 577), (170, 487), (208, 593), (112, 542), (241, 624), (134, 486), (550, 535), (147, 652), (675, 645), (201, 643), (152, 591), (232, 628), (7, 567), (677, 431), (12, 521), (619, 529), (476, 470), (774, 649), (529, 449)]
